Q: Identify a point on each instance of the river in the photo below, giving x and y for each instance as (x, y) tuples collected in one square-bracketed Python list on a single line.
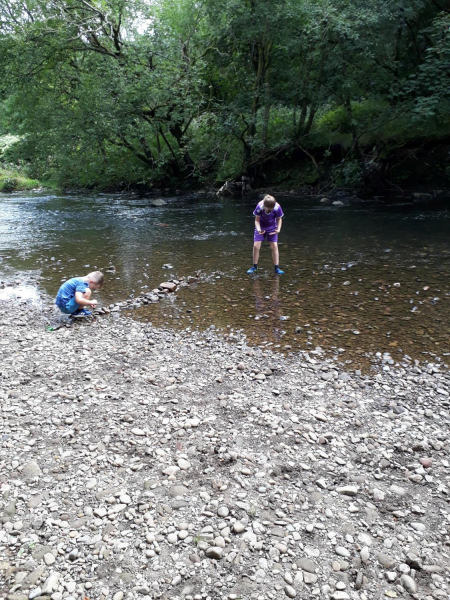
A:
[(359, 280)]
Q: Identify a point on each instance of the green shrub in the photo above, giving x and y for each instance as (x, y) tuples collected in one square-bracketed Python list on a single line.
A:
[(8, 184)]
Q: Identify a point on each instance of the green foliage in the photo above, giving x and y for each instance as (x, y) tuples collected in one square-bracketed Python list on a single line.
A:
[(348, 174), (110, 93), (12, 180)]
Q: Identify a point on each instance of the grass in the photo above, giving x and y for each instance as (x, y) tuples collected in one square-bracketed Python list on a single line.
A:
[(13, 180)]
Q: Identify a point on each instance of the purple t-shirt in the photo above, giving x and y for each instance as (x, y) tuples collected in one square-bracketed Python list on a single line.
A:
[(268, 222)]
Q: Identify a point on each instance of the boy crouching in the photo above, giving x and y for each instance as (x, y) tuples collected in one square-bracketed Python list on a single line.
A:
[(75, 294)]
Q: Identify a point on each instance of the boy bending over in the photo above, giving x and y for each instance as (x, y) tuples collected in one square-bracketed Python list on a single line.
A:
[(75, 294), (268, 220)]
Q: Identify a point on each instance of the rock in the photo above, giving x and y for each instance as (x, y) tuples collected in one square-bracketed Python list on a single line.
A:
[(388, 562), (408, 583), (359, 580), (223, 511), (306, 564), (10, 509), (168, 285), (341, 551), (184, 464), (309, 578), (194, 558), (158, 202), (365, 554), (170, 471), (214, 552), (413, 561), (238, 527), (325, 200), (49, 559), (39, 551), (347, 490), (138, 432), (31, 470), (178, 490), (339, 596), (51, 583), (338, 203), (378, 495), (397, 490), (290, 591)]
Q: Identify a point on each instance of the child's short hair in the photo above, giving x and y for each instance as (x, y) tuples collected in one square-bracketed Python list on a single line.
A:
[(97, 277), (269, 201)]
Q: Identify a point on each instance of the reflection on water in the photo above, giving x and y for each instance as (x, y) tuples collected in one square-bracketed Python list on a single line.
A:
[(26, 293), (358, 280)]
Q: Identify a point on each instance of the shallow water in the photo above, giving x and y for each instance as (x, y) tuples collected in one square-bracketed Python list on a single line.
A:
[(343, 266)]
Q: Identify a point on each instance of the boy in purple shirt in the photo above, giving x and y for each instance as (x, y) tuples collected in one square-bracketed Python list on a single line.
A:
[(268, 220)]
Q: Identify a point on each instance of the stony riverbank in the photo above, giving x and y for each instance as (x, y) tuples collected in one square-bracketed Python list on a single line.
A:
[(141, 463)]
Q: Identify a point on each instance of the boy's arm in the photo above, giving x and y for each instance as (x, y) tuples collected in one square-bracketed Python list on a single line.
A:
[(82, 301), (279, 223), (257, 225)]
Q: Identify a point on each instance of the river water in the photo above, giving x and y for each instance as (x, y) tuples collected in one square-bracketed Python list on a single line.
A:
[(359, 279)]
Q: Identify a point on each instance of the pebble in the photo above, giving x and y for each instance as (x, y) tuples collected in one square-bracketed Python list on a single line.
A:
[(214, 552), (365, 554), (388, 562), (31, 470), (341, 551), (408, 583), (347, 490), (290, 592), (238, 527), (49, 559)]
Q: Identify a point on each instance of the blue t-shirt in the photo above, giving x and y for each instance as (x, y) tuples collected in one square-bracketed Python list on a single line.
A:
[(268, 221), (67, 290)]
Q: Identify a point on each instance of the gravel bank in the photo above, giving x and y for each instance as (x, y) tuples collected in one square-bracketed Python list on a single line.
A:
[(138, 463)]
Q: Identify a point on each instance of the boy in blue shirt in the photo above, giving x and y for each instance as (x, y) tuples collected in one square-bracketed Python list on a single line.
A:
[(75, 294), (268, 219)]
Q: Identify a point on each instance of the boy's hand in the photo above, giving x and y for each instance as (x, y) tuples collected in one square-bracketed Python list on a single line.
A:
[(93, 302), (274, 232), (260, 232)]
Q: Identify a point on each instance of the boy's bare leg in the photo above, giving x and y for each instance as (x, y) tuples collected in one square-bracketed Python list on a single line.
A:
[(275, 253), (256, 247), (86, 296)]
